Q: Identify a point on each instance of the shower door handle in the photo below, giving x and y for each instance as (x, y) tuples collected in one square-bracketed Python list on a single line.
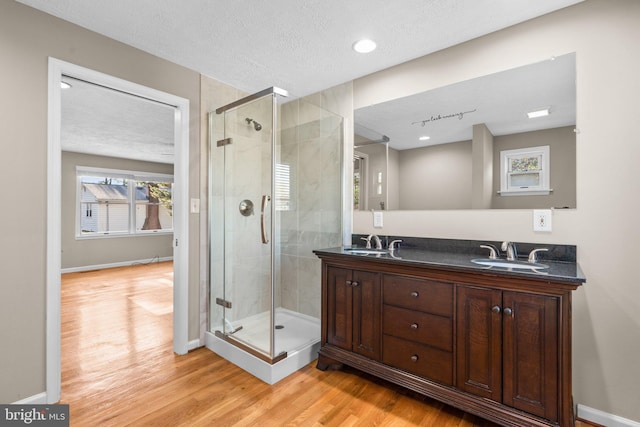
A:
[(265, 199)]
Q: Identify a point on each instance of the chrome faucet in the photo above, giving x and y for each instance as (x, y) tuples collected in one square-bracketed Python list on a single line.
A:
[(376, 239), (512, 253)]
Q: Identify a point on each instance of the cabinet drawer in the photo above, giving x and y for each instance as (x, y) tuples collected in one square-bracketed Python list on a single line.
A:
[(418, 294), (418, 359), (436, 331)]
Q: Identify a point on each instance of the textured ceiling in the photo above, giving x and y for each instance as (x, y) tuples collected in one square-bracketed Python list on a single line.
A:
[(302, 46)]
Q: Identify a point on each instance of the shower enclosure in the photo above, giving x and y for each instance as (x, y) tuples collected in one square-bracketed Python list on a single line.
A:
[(275, 195)]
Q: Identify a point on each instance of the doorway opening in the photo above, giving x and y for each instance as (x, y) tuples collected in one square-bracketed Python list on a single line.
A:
[(58, 69)]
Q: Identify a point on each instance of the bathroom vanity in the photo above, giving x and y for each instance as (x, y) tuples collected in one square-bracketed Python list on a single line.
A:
[(492, 341)]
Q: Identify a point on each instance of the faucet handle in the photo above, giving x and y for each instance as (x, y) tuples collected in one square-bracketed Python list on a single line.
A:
[(533, 254), (368, 240), (493, 252), (392, 245)]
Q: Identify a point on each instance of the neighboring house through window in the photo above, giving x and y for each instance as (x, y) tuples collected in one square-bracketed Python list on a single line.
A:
[(115, 202)]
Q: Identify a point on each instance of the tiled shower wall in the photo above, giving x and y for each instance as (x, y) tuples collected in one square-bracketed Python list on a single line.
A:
[(311, 148)]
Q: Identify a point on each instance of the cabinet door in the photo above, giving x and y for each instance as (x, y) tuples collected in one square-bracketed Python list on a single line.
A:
[(530, 346), (339, 307), (367, 307), (479, 341)]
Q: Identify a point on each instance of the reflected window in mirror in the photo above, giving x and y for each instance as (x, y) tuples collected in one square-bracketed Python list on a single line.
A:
[(525, 171)]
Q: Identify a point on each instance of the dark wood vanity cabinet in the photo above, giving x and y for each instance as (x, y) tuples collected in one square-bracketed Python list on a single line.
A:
[(507, 348), (353, 310), (494, 345)]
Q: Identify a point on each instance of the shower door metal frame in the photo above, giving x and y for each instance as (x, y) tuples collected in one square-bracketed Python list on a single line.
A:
[(228, 337)]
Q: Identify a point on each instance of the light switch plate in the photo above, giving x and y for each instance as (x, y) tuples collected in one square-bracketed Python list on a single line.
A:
[(377, 219), (195, 206), (542, 220)]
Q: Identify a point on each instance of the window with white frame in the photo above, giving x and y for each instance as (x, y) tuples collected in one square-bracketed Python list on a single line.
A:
[(525, 171), (122, 203)]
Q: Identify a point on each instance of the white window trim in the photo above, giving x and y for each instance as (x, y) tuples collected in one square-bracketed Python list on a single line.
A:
[(116, 173), (540, 190)]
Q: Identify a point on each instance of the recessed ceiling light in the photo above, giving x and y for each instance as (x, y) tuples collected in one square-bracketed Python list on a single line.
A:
[(64, 85), (364, 46), (538, 113), (424, 138)]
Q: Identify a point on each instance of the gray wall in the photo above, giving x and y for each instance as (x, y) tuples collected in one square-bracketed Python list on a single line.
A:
[(606, 310), (27, 39), (562, 149), (436, 177), (93, 252)]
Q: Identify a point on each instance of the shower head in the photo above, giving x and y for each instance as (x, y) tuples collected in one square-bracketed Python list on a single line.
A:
[(257, 126)]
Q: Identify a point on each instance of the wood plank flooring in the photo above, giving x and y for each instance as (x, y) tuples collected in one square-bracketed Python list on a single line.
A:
[(119, 369)]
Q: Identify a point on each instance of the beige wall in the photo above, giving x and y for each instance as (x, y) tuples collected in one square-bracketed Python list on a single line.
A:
[(27, 39), (92, 252), (606, 310)]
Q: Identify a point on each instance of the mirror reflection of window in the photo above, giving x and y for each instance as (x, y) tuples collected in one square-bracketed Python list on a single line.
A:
[(525, 171), (359, 181)]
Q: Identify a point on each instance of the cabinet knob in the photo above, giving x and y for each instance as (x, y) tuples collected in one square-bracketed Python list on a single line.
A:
[(414, 326), (414, 294), (508, 311), (348, 282), (414, 358), (495, 309), (354, 284)]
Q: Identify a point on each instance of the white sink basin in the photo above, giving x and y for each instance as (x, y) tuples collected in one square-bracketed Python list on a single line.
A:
[(503, 263), (360, 251)]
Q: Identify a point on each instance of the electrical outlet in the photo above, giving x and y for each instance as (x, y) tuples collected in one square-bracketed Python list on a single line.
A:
[(542, 220)]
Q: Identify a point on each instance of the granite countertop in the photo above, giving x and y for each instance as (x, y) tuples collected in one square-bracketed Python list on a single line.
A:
[(563, 271)]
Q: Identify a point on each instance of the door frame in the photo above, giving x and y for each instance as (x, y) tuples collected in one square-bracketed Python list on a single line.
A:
[(54, 215)]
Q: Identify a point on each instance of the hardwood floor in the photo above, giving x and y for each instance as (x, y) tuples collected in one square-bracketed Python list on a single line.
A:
[(118, 369)]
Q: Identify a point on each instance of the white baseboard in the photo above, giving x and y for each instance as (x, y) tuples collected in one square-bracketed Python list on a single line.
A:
[(113, 265), (193, 344), (603, 418), (36, 399)]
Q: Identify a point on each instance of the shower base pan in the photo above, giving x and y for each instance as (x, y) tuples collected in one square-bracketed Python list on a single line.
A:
[(297, 334)]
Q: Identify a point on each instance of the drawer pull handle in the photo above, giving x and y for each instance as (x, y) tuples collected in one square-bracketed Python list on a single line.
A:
[(414, 294), (414, 358), (414, 326)]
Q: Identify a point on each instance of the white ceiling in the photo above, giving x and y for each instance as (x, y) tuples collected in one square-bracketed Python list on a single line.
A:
[(302, 46), (101, 121)]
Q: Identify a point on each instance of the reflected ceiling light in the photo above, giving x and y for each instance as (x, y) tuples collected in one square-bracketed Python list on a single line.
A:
[(424, 138), (64, 85), (539, 113), (364, 46)]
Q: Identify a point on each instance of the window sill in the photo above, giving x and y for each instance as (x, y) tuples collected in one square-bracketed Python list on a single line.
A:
[(117, 235), (525, 192)]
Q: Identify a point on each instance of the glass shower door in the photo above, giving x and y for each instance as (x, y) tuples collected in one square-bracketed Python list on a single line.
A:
[(248, 231)]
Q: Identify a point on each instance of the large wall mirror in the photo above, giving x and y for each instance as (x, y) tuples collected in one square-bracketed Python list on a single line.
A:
[(473, 144)]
